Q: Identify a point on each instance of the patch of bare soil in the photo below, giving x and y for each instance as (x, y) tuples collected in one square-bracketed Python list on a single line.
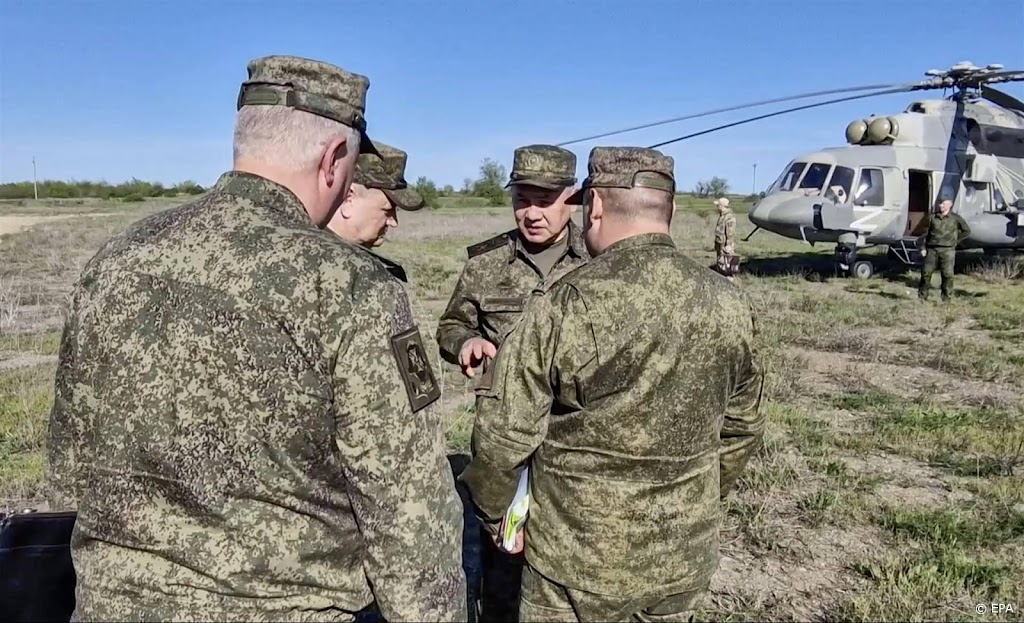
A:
[(15, 224), (907, 482), (799, 587), (829, 372)]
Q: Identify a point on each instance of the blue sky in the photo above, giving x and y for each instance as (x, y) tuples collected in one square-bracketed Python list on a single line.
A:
[(111, 90)]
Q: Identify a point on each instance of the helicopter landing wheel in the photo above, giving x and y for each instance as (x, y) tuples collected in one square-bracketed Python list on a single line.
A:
[(862, 270)]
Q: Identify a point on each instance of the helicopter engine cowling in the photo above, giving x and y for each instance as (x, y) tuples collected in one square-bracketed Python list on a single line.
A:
[(882, 130), (856, 131)]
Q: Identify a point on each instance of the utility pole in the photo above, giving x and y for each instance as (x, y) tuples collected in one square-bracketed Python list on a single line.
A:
[(753, 185), (35, 186)]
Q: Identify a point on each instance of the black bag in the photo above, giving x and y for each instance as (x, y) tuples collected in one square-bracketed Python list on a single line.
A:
[(37, 577)]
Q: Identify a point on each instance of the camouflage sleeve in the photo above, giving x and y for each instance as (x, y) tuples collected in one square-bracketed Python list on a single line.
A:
[(458, 323), (66, 445), (743, 426), (922, 242), (392, 451), (965, 229), (537, 364)]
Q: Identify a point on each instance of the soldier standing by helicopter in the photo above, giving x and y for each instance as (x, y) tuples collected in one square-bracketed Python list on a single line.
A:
[(725, 237), (946, 230)]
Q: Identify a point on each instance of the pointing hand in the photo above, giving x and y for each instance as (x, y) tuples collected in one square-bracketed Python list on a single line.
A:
[(473, 352)]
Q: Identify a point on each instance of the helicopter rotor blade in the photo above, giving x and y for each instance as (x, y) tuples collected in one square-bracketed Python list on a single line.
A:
[(1002, 99), (902, 87), (999, 76)]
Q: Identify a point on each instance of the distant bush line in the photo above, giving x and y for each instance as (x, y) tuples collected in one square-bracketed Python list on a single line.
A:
[(134, 190), (488, 189)]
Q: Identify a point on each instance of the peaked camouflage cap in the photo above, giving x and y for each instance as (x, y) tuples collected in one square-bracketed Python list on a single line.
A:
[(386, 171), (312, 86), (627, 167), (545, 166)]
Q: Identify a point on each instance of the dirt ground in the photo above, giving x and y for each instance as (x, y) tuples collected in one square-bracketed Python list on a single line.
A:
[(891, 481), (15, 224)]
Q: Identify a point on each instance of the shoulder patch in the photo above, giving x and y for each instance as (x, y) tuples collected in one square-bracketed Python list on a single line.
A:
[(418, 376), (488, 245)]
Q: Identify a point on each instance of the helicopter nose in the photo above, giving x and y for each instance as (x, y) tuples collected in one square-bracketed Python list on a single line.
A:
[(785, 214)]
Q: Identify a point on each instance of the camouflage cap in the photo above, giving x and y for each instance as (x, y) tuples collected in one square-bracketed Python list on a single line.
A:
[(312, 86), (627, 167), (386, 171), (545, 166)]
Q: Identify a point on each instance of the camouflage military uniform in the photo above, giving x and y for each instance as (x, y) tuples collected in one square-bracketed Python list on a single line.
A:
[(386, 170), (499, 273), (725, 240), (943, 235), (225, 373), (633, 388), (487, 302), (494, 284)]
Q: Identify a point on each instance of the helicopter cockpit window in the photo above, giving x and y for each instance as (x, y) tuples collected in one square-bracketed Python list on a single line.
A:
[(840, 184), (997, 195), (870, 188), (816, 175), (788, 178)]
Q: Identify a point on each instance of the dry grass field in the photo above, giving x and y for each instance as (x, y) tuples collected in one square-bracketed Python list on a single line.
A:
[(891, 483)]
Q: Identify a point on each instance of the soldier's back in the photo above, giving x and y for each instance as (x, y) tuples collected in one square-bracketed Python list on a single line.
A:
[(626, 485), (195, 419)]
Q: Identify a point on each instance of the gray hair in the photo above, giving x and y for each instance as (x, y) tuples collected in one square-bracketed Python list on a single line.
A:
[(288, 138)]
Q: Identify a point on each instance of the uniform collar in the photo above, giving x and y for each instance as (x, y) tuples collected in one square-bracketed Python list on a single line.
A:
[(392, 266), (577, 246), (264, 192), (641, 240)]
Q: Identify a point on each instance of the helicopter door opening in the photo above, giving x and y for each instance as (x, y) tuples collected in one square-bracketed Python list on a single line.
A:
[(920, 201)]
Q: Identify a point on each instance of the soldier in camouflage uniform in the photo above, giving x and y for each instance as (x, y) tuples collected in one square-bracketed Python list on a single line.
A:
[(501, 272), (379, 190), (489, 296), (226, 371), (632, 390), (725, 236), (946, 230)]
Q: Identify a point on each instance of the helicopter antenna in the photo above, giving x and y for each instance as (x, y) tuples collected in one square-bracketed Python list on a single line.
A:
[(780, 112), (904, 87)]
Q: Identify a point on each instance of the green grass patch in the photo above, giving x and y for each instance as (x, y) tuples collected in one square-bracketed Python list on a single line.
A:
[(954, 527), (927, 585), (968, 441), (813, 437), (26, 396), (995, 362), (459, 430), (46, 343)]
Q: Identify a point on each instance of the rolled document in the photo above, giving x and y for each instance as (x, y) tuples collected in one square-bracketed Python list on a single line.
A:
[(515, 516)]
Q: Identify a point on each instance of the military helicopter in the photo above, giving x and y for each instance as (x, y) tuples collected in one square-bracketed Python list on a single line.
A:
[(879, 189)]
